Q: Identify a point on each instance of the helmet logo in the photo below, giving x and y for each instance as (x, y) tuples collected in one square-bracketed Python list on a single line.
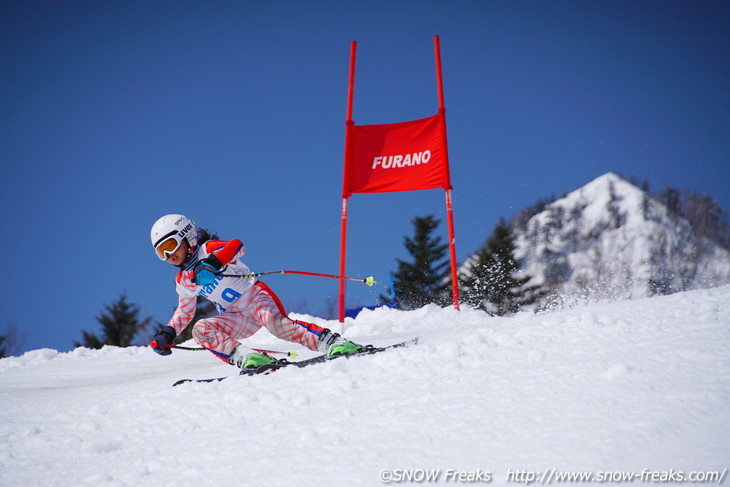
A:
[(185, 230)]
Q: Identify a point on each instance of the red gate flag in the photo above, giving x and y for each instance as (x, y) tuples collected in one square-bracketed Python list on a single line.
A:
[(404, 156)]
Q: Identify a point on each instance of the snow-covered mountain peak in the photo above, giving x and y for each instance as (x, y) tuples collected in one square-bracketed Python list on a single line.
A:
[(609, 238)]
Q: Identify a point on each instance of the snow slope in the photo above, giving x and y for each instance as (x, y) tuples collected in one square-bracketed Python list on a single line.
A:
[(622, 386)]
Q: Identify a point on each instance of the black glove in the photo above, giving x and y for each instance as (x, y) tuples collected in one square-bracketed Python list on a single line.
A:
[(206, 269), (162, 342)]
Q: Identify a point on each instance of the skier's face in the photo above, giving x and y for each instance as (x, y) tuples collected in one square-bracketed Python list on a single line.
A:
[(178, 257)]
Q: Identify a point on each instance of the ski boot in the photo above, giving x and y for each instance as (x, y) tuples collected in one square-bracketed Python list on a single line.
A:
[(333, 345), (251, 362)]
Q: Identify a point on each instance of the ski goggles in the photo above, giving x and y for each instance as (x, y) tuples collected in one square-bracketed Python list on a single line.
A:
[(168, 246)]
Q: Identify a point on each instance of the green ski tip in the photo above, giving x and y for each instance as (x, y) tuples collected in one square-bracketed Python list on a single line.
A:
[(369, 281)]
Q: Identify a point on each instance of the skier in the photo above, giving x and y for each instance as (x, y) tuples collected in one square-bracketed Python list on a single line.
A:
[(245, 305)]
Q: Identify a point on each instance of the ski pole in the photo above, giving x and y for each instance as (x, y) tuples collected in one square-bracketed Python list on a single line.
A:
[(292, 354), (368, 280)]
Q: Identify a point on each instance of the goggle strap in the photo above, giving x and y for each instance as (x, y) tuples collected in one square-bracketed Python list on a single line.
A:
[(157, 244)]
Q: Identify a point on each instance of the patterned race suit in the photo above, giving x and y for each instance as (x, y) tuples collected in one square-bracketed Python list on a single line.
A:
[(245, 305)]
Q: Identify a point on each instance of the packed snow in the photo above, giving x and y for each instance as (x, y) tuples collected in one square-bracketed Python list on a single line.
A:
[(630, 386)]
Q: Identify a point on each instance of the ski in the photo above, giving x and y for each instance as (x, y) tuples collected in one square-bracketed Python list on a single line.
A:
[(269, 368)]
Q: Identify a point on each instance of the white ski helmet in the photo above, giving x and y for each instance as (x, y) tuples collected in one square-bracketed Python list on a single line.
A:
[(168, 233)]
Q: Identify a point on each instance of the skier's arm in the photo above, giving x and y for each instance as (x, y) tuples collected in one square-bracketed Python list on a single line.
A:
[(186, 305), (184, 313), (221, 253)]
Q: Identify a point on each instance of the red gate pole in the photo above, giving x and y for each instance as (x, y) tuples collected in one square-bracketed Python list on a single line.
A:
[(343, 229), (452, 250), (449, 207)]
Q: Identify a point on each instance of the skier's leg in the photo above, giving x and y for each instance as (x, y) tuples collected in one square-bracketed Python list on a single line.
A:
[(220, 333), (270, 312)]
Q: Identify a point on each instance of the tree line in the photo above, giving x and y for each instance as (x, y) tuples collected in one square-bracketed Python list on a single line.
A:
[(489, 284), (424, 279), (122, 325)]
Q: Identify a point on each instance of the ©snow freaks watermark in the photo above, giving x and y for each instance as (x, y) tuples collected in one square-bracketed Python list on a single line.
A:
[(549, 476), (647, 476), (423, 475)]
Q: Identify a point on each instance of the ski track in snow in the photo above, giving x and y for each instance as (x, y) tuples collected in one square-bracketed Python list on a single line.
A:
[(600, 387)]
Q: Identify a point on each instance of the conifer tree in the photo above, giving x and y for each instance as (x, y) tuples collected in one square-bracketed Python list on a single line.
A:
[(424, 280), (120, 326), (645, 200), (491, 284), (614, 215), (11, 341)]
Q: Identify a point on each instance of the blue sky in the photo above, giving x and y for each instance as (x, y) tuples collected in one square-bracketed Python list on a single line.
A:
[(232, 113)]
